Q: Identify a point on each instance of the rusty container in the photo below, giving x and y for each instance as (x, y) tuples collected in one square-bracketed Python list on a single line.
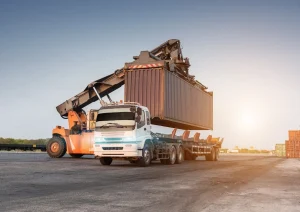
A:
[(294, 134), (292, 148), (172, 101)]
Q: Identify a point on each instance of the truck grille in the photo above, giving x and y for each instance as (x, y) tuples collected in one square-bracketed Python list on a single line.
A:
[(112, 148)]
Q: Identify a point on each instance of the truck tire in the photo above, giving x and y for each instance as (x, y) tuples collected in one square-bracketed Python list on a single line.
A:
[(173, 155), (217, 154), (145, 160), (56, 147), (211, 156), (180, 155), (76, 155), (106, 161)]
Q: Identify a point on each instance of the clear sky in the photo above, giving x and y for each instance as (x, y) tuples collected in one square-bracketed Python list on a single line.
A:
[(246, 52)]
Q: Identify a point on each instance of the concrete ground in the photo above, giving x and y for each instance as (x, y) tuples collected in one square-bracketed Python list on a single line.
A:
[(35, 182)]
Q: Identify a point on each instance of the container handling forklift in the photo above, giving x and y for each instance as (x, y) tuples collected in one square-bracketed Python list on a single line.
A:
[(122, 130)]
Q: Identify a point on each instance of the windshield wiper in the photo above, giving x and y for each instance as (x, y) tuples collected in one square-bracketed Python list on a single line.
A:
[(118, 125)]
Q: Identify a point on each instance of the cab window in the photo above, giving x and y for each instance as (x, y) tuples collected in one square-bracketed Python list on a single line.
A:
[(141, 123)]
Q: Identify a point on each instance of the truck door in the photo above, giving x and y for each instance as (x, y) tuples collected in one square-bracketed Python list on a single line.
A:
[(148, 122), (141, 125)]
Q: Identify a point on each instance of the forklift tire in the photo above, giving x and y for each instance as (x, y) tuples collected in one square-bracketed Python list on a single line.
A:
[(106, 161), (180, 156), (173, 156), (211, 156), (76, 155), (145, 160), (56, 147)]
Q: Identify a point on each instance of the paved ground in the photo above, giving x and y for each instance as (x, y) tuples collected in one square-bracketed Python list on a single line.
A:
[(34, 182)]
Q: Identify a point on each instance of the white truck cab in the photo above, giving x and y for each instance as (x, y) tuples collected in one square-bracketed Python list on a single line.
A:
[(121, 132)]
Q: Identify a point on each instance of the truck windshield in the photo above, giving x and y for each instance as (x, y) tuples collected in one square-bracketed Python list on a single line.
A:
[(116, 116)]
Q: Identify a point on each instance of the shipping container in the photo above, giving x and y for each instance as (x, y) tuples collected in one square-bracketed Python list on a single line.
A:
[(292, 148), (280, 150), (294, 134), (172, 101)]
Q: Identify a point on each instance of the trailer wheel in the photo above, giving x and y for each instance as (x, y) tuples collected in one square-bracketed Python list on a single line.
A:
[(180, 155), (172, 158), (76, 155), (56, 147), (145, 160), (217, 154), (106, 161), (211, 156)]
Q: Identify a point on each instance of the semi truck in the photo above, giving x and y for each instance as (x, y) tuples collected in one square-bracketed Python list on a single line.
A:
[(123, 131), (169, 97)]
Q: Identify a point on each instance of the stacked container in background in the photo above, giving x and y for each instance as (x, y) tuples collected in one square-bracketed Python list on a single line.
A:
[(280, 150), (292, 146)]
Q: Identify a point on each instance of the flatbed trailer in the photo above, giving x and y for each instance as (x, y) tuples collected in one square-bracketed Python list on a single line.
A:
[(185, 149), (23, 147)]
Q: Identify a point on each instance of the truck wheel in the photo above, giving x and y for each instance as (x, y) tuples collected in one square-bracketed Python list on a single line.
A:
[(106, 161), (216, 154), (180, 155), (211, 156), (76, 155), (172, 158), (146, 158), (56, 147)]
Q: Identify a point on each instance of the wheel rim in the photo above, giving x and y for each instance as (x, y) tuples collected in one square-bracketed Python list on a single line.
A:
[(146, 155), (180, 155), (173, 155), (54, 147)]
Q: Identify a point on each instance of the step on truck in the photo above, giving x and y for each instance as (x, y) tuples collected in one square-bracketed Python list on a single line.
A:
[(123, 132)]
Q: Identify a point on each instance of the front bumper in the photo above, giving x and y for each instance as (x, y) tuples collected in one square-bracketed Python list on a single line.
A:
[(117, 150)]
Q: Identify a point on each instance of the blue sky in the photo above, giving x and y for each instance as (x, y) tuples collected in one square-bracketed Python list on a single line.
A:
[(246, 52)]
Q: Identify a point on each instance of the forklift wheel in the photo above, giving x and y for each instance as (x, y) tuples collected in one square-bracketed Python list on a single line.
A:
[(56, 147)]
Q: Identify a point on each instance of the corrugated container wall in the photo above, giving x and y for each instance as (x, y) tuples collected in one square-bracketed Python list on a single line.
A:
[(292, 146), (280, 150), (172, 101)]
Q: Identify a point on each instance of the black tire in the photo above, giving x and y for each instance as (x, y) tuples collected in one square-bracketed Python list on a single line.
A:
[(217, 154), (145, 160), (56, 147), (211, 156), (106, 161), (180, 155), (172, 157), (76, 155)]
